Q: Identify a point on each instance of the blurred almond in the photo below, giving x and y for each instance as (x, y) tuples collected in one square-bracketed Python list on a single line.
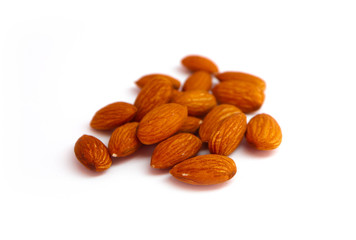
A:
[(191, 125), (199, 80), (145, 79), (241, 76), (199, 63)]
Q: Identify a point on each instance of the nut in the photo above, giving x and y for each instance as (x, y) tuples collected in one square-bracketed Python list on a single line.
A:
[(241, 76), (199, 80), (197, 63), (191, 125), (145, 79)]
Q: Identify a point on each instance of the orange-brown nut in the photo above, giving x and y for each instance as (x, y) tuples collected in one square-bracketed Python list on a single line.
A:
[(199, 63), (263, 132), (143, 80), (241, 76), (199, 80), (191, 125), (175, 93)]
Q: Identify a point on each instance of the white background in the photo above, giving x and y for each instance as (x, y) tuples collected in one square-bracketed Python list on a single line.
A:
[(60, 61)]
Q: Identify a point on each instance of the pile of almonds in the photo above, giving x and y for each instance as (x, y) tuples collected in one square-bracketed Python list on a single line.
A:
[(170, 118)]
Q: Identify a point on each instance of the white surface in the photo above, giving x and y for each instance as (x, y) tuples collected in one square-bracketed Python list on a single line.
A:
[(60, 61)]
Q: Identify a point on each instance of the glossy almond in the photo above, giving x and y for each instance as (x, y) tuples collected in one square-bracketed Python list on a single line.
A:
[(227, 137), (199, 102), (199, 63), (263, 132), (213, 119), (153, 94), (161, 123), (191, 125), (113, 115), (92, 153), (123, 140), (241, 76), (145, 79), (174, 150), (199, 80), (205, 170), (244, 95)]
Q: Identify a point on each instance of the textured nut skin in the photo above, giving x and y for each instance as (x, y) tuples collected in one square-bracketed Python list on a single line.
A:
[(199, 63), (191, 125), (161, 123), (153, 94), (143, 80), (123, 140), (241, 76), (199, 80), (244, 95), (174, 150), (263, 132), (199, 102), (213, 119), (113, 115), (205, 170), (227, 137), (92, 153)]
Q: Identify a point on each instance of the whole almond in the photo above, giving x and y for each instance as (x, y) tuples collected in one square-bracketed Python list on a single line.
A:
[(143, 80), (213, 119), (161, 123), (197, 63), (92, 153), (199, 80), (191, 125), (113, 115), (241, 76), (205, 170), (123, 140), (263, 132), (244, 95), (227, 137), (174, 150), (153, 94), (199, 102)]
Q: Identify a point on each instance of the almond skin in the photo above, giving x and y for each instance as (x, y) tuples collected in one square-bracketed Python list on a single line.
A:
[(199, 63), (113, 115), (153, 94), (263, 132), (175, 93), (92, 153), (213, 119), (199, 80), (123, 140), (161, 123), (191, 125), (244, 95), (205, 170), (227, 137), (241, 76), (199, 102), (145, 79), (175, 150)]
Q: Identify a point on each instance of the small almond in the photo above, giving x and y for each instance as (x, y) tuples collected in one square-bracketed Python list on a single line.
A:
[(241, 76), (199, 63), (191, 125), (199, 80), (143, 80)]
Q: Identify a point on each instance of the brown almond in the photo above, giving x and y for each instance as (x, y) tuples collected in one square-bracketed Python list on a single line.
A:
[(161, 123), (191, 125), (263, 132), (241, 76), (92, 153), (199, 102), (123, 140), (153, 94), (213, 119), (199, 63), (205, 170), (199, 80), (174, 150), (145, 79), (227, 137), (175, 93), (113, 115), (244, 95)]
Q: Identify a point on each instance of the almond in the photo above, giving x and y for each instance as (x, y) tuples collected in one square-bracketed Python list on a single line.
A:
[(205, 170), (241, 76), (143, 80), (227, 137), (92, 153), (199, 102), (199, 80), (213, 119), (244, 95), (191, 125), (113, 115), (174, 150), (197, 63), (263, 132), (175, 93), (123, 140), (161, 123), (153, 94)]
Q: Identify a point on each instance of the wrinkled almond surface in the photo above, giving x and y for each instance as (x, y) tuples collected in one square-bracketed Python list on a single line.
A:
[(241, 76), (199, 80), (143, 80), (191, 125), (199, 63)]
